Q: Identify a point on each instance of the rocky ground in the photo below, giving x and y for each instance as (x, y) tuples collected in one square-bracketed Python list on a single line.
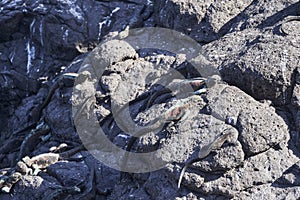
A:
[(46, 44)]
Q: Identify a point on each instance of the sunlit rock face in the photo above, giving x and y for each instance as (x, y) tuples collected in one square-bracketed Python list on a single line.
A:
[(252, 45)]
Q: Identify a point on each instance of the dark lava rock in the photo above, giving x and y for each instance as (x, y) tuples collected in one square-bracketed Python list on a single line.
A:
[(253, 45)]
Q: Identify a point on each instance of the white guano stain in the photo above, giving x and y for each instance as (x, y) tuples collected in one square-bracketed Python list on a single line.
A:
[(32, 28), (106, 21), (65, 36), (12, 56), (149, 2), (41, 29), (30, 55)]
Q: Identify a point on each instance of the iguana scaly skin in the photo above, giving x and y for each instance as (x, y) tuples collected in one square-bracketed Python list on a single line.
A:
[(172, 114), (31, 166), (204, 152)]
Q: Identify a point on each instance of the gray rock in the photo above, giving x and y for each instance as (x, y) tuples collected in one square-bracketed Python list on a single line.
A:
[(68, 173), (262, 77), (269, 192), (258, 170), (253, 44), (296, 95), (32, 187), (203, 21), (289, 177), (258, 124), (39, 37)]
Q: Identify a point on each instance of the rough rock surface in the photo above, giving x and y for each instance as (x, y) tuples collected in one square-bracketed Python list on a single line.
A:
[(254, 45)]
